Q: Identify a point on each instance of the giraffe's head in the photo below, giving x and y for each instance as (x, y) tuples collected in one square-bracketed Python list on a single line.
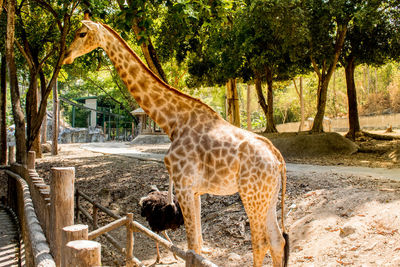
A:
[(87, 38)]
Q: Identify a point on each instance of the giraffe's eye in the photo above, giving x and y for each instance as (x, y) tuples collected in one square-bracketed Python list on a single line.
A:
[(82, 34)]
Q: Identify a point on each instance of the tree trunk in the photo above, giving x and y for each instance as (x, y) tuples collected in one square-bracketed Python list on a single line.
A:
[(300, 94), (321, 104), (260, 95), (334, 95), (248, 107), (33, 142), (271, 128), (3, 109), (354, 124), (44, 130), (233, 112), (149, 52), (261, 100), (324, 77), (19, 118), (54, 150)]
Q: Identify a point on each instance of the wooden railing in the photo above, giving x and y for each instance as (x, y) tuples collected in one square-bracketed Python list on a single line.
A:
[(43, 210), (190, 257), (53, 238)]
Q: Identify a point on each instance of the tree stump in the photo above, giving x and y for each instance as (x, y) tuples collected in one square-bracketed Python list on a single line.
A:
[(72, 233), (83, 253)]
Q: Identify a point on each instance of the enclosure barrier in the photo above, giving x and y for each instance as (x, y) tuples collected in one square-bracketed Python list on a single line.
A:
[(190, 257), (46, 214), (36, 248), (42, 214)]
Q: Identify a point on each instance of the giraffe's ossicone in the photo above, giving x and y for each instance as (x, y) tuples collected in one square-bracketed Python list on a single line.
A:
[(207, 154)]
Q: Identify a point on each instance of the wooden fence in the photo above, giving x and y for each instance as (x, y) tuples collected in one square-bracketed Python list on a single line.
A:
[(190, 257), (50, 235)]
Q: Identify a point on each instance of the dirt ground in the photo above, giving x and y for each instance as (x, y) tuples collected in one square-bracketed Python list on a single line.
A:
[(333, 219)]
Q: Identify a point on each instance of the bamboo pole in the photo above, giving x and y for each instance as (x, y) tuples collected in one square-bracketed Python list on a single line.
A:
[(106, 235), (100, 207), (179, 252), (62, 206), (95, 225), (77, 206), (129, 240), (83, 253), (109, 227), (72, 233)]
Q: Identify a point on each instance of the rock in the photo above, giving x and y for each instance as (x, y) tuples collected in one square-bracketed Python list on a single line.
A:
[(46, 147), (80, 135), (234, 257), (350, 228), (151, 139), (305, 144), (347, 230)]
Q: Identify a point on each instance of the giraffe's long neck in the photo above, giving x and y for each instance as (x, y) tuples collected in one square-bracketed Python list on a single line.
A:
[(168, 107)]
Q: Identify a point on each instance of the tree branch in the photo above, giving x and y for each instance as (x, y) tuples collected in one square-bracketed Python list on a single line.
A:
[(295, 86), (315, 66), (25, 55), (52, 11)]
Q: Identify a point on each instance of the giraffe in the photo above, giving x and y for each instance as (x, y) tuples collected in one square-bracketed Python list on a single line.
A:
[(207, 154)]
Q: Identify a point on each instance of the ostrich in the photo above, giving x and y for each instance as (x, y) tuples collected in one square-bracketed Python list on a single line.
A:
[(160, 214)]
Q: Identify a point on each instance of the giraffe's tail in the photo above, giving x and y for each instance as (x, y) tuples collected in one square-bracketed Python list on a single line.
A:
[(284, 234)]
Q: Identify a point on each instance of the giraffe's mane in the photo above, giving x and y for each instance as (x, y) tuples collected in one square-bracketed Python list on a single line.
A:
[(158, 79)]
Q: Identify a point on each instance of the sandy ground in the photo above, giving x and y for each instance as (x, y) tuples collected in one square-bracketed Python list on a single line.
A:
[(334, 219)]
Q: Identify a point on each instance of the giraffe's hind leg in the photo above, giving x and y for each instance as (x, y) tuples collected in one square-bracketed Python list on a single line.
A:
[(275, 238), (257, 214)]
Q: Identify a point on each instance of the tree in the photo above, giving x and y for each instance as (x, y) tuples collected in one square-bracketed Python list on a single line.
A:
[(189, 32), (43, 27), (137, 16), (300, 94), (369, 40), (19, 119), (3, 92), (3, 99), (265, 34), (3, 105), (325, 27)]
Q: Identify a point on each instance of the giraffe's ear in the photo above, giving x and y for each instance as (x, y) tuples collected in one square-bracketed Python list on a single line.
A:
[(87, 15)]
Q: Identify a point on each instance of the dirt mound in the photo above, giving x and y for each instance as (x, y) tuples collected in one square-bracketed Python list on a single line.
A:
[(305, 144)]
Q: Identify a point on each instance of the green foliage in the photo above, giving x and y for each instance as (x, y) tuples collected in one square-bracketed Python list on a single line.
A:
[(371, 36)]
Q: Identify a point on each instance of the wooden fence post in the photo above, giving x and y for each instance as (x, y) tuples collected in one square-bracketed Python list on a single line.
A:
[(83, 253), (62, 206), (31, 160), (190, 258), (95, 224), (72, 233), (129, 240), (77, 206), (11, 155)]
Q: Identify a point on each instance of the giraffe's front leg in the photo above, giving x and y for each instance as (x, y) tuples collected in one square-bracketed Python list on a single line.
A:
[(197, 203), (186, 199)]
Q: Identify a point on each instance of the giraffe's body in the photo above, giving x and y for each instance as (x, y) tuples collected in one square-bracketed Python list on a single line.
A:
[(207, 154)]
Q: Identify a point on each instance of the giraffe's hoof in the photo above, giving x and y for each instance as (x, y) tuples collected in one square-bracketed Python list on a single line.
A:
[(206, 250)]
